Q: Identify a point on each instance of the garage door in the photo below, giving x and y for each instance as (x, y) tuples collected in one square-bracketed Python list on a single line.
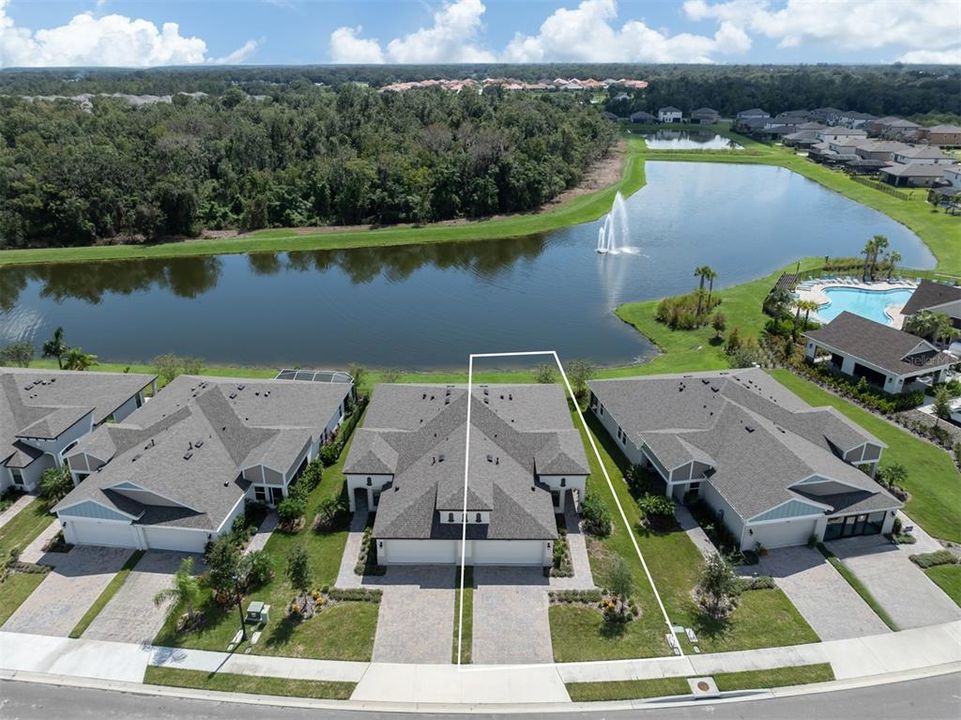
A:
[(420, 552), (99, 532), (175, 539), (783, 533), (508, 552)]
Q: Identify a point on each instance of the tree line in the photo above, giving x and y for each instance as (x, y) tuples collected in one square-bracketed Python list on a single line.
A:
[(302, 157)]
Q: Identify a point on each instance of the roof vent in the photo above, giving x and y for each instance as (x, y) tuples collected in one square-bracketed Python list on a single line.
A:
[(749, 428), (533, 489), (232, 395), (241, 387), (188, 455), (490, 458), (135, 458), (226, 483), (705, 381), (199, 443), (440, 458), (497, 460), (424, 396), (510, 396), (502, 397)]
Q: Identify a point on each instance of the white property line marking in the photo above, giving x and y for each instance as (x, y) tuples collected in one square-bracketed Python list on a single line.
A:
[(600, 462)]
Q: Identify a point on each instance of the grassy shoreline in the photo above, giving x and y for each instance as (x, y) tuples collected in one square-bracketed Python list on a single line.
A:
[(937, 230)]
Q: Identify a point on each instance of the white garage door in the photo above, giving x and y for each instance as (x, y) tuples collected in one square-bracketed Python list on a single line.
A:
[(508, 552), (175, 539), (420, 552), (100, 532), (784, 533)]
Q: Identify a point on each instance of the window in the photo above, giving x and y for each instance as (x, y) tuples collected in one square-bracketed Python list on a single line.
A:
[(694, 487), (17, 474), (82, 476), (563, 482), (450, 517), (139, 400), (260, 494), (369, 482), (478, 517)]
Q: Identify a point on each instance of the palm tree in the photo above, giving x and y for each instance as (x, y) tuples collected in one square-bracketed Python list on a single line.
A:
[(701, 273), (870, 248), (711, 277), (880, 245), (944, 329), (185, 590), (55, 347), (924, 324), (808, 306), (894, 257), (76, 359)]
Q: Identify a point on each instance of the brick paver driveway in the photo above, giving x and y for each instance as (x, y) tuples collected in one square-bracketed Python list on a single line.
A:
[(900, 586), (824, 598), (59, 602), (510, 616), (416, 621), (131, 615)]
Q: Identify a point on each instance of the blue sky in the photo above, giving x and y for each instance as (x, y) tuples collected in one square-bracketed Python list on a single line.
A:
[(148, 32)]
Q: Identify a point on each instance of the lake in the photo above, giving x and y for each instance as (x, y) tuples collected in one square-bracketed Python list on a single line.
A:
[(689, 140), (424, 307)]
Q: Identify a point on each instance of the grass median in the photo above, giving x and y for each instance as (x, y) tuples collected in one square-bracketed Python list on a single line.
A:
[(254, 685), (107, 595)]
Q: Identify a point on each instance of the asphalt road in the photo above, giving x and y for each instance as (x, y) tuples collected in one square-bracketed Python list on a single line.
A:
[(927, 699)]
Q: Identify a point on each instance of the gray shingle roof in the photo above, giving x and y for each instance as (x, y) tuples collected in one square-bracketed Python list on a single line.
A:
[(895, 351), (190, 443), (46, 403), (760, 438), (418, 434), (930, 294)]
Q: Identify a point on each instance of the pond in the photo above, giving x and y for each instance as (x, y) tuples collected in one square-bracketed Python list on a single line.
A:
[(424, 307), (689, 140)]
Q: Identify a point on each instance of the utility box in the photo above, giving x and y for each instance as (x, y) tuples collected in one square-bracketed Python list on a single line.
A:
[(258, 613)]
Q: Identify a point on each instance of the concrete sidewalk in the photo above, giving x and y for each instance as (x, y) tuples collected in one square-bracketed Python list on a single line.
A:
[(910, 650), (19, 504)]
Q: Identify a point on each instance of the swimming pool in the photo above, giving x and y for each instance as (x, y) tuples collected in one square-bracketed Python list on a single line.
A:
[(866, 303)]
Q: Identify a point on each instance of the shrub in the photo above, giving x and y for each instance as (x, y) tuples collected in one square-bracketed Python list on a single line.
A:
[(762, 582), (257, 568), (579, 372), (354, 595), (169, 366), (329, 511), (596, 515), (932, 559), (545, 374), (591, 596), (329, 454), (290, 510), (718, 588), (620, 580), (17, 354), (299, 572), (681, 312), (656, 510), (55, 483)]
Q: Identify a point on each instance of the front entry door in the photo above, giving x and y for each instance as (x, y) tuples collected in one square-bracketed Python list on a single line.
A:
[(276, 495)]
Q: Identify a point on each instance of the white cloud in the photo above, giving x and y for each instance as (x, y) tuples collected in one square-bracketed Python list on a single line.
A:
[(933, 57), (113, 40), (588, 33), (452, 38), (240, 54), (347, 47), (852, 25)]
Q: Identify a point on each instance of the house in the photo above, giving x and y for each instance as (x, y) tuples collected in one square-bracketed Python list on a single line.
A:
[(642, 117), (775, 471), (855, 119), (942, 135), (178, 471), (526, 463), (833, 134), (753, 114), (936, 297), (893, 128), (827, 115), (880, 150), (890, 359), (923, 154), (915, 174), (670, 114), (44, 412), (705, 116)]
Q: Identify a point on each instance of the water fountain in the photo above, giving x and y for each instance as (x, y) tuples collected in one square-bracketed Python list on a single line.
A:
[(613, 233)]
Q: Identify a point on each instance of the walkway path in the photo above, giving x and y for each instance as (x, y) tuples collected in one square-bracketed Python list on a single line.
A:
[(19, 504), (853, 658), (346, 577), (33, 552), (582, 579), (266, 529), (689, 525)]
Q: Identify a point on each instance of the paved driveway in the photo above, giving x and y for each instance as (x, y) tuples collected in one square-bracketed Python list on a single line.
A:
[(131, 615), (416, 621), (59, 602), (824, 598), (511, 624), (899, 586)]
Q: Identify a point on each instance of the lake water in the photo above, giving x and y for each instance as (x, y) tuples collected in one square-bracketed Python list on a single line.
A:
[(420, 307), (689, 140)]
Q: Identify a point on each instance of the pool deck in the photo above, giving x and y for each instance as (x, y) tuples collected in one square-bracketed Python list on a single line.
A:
[(815, 291)]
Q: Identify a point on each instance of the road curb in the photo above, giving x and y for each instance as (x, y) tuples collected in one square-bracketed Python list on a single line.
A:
[(132, 688)]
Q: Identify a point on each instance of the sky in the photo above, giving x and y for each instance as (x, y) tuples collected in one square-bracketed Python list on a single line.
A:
[(144, 33)]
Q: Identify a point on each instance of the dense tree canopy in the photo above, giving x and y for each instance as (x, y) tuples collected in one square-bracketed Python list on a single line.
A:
[(305, 156)]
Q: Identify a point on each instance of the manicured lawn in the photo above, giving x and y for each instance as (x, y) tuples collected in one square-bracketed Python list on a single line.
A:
[(343, 631), (108, 592), (948, 578), (726, 682), (765, 618), (24, 527), (232, 682), (933, 479), (15, 589), (858, 586), (627, 689), (467, 640)]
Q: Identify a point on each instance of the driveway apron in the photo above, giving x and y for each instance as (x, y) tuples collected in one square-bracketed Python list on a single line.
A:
[(511, 622)]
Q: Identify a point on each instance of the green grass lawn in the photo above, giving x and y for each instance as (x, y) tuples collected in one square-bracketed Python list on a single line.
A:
[(108, 592), (14, 590), (232, 682), (765, 618), (343, 631), (467, 641), (726, 682), (24, 527), (933, 479), (946, 577)]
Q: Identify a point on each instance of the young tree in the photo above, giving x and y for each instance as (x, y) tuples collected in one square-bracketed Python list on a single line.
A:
[(328, 511), (545, 374), (290, 510), (55, 483), (55, 347), (223, 569), (579, 372), (185, 590), (17, 354), (719, 323), (718, 588), (390, 375), (76, 359), (942, 404), (299, 572), (359, 373), (733, 341), (621, 580)]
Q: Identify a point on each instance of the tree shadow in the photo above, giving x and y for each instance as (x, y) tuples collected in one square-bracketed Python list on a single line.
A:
[(613, 630), (283, 632)]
